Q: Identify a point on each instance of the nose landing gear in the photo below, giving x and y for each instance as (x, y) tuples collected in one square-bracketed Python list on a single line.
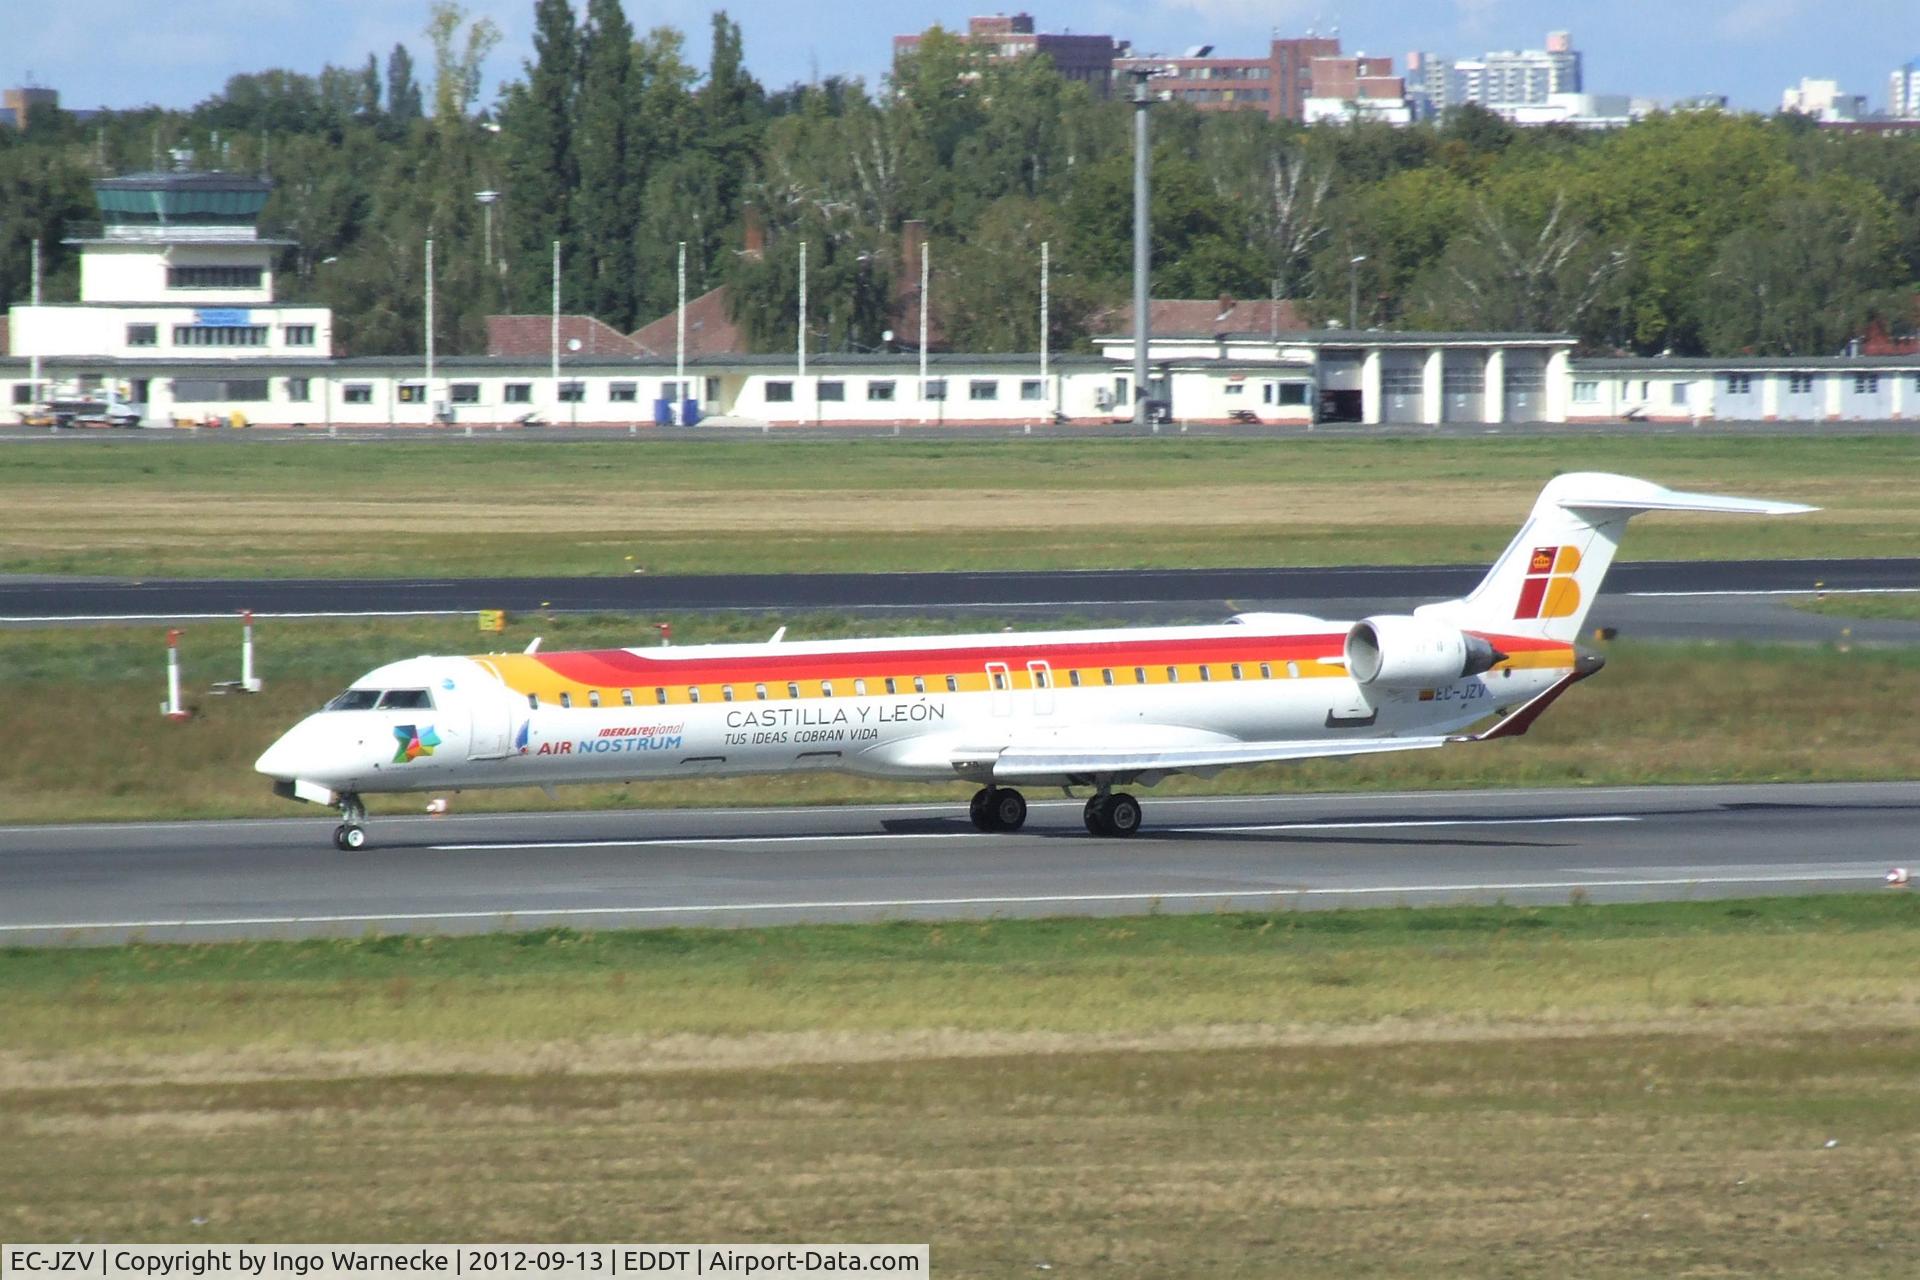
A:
[(350, 836)]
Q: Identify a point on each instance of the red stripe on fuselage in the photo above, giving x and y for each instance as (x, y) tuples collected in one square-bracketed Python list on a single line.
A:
[(617, 667)]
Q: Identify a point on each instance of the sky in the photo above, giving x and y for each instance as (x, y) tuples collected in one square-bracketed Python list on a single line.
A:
[(128, 53)]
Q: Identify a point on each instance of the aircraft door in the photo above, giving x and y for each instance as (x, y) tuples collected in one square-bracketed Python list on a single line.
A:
[(1040, 675), (999, 688), (491, 722)]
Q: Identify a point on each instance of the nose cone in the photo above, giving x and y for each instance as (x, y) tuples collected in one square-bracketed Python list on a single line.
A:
[(295, 755)]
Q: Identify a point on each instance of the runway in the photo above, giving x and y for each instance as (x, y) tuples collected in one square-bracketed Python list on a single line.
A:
[(51, 598), (735, 867)]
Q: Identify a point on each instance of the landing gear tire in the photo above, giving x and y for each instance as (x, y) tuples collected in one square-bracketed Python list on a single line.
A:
[(978, 811), (1096, 814), (1009, 809), (997, 809), (349, 837), (1117, 814)]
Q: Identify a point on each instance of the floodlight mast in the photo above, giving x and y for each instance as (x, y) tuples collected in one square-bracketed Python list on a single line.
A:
[(1142, 234)]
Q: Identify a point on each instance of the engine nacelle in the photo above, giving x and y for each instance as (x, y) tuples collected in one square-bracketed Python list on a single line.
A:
[(1393, 651)]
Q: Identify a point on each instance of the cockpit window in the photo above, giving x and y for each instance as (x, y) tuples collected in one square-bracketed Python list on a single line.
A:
[(406, 700), (355, 700)]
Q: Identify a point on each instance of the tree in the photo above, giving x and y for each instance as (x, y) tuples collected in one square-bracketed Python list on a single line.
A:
[(1806, 279), (541, 174), (1512, 271), (456, 64), (403, 93), (603, 236), (990, 283)]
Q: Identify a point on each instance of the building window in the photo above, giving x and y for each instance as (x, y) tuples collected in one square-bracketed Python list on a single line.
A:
[(835, 390), (464, 393), (143, 335), (779, 393), (519, 393), (220, 335), (1680, 392), (297, 335), (879, 388), (573, 392), (412, 393), (1586, 392), (1293, 393), (1800, 384), (933, 389), (1739, 384), (1032, 389), (623, 392), (1236, 388), (299, 390), (213, 277), (1866, 384), (23, 393), (357, 393), (983, 389)]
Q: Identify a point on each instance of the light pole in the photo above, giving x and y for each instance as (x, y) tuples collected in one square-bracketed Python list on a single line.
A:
[(1353, 290), (1142, 238), (487, 200)]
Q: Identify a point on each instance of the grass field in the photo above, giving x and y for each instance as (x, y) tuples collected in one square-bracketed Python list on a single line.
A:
[(330, 508), (87, 741), (1899, 607), (1711, 1089)]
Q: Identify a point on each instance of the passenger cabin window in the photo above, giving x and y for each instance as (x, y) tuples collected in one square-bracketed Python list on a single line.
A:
[(1235, 668), (826, 688), (953, 684), (1206, 673), (406, 700), (726, 693), (593, 697), (533, 702), (566, 700), (1293, 671), (626, 697), (693, 694), (760, 692), (999, 679), (1173, 675), (1266, 671), (891, 687), (793, 689), (355, 700), (1139, 675), (919, 684), (1106, 675), (1073, 678), (859, 688)]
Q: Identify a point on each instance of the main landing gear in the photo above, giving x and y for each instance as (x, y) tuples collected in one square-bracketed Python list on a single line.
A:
[(998, 809), (350, 836), (1113, 814)]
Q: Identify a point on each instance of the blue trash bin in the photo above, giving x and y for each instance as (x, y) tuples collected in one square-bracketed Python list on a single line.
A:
[(689, 413), (663, 412)]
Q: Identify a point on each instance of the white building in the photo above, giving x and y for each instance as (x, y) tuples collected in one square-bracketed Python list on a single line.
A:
[(1824, 101), (1903, 98), (176, 272), (1504, 78)]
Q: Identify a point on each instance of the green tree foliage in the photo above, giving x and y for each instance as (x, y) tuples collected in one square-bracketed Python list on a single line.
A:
[(1695, 233)]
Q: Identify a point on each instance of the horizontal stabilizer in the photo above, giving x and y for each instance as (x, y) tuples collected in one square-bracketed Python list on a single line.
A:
[(1596, 492)]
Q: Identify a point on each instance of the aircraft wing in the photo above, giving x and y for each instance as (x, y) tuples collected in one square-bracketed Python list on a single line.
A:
[(1015, 762)]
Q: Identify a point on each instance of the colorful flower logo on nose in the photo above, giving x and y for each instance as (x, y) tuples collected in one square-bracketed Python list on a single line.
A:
[(415, 741)]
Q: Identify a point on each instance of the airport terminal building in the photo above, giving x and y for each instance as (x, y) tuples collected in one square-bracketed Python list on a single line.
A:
[(178, 320)]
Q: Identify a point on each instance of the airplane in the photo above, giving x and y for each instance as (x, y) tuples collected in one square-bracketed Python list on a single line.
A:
[(1096, 710)]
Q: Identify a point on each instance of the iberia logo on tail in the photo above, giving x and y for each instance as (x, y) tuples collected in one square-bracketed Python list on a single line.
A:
[(1550, 590)]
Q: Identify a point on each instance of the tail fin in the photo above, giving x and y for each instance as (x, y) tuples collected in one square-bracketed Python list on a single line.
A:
[(1546, 580)]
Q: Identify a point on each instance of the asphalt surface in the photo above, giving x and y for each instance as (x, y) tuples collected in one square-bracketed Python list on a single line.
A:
[(1212, 590), (731, 867)]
